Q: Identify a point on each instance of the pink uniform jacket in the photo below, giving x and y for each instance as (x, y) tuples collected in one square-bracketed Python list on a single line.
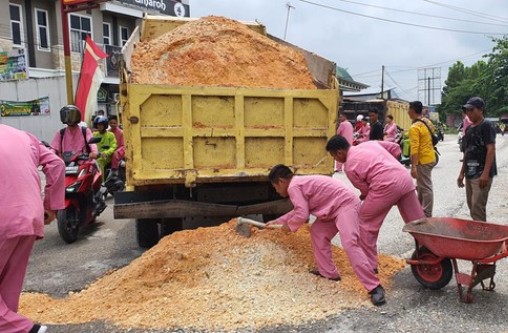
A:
[(320, 196), (119, 137), (73, 140), (374, 165), (345, 130), (21, 204), (390, 132)]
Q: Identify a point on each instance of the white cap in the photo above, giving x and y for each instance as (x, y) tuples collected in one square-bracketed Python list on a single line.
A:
[(359, 117)]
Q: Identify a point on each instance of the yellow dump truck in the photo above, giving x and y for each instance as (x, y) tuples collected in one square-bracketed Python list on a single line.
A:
[(205, 152)]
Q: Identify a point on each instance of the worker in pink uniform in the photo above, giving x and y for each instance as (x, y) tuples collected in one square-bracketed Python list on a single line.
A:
[(344, 129), (391, 130), (23, 214), (373, 168), (75, 137), (119, 153), (336, 209)]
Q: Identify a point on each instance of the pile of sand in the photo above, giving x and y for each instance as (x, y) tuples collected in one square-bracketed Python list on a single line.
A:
[(213, 279), (215, 51)]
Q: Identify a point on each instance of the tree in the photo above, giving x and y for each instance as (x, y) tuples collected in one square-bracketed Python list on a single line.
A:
[(488, 79)]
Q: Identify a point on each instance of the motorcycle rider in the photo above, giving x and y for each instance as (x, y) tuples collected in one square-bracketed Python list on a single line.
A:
[(107, 143), (73, 138), (119, 153)]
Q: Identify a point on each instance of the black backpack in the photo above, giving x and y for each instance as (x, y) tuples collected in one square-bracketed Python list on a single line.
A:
[(434, 137), (83, 130)]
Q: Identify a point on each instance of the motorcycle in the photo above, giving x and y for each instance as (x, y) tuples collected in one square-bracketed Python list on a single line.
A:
[(405, 145), (84, 195), (114, 182)]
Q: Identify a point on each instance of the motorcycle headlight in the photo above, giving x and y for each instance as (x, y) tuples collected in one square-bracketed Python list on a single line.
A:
[(73, 188)]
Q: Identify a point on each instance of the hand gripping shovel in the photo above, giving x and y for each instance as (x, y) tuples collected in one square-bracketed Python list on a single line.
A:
[(243, 226)]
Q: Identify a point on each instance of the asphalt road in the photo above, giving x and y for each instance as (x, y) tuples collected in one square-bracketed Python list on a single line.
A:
[(57, 268)]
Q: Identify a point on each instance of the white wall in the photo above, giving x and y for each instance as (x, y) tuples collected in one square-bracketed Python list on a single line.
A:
[(44, 127)]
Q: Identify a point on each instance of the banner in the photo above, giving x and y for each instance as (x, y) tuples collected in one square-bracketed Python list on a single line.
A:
[(167, 7), (13, 65), (90, 79), (37, 107)]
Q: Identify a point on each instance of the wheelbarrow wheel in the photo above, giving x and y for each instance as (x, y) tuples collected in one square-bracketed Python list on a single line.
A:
[(434, 276)]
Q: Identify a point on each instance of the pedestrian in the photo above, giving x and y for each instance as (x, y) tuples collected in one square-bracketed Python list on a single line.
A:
[(423, 155), (374, 168), (391, 129), (23, 214), (376, 129), (335, 207), (345, 129), (479, 162)]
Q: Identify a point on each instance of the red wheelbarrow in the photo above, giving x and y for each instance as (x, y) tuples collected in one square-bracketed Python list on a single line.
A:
[(441, 241)]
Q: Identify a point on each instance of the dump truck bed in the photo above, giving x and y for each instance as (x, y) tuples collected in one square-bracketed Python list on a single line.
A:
[(189, 135)]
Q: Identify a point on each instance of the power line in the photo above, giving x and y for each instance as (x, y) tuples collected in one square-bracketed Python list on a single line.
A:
[(421, 14), (432, 65), (469, 11), (401, 22)]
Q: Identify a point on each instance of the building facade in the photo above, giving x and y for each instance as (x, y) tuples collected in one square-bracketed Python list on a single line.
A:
[(33, 28)]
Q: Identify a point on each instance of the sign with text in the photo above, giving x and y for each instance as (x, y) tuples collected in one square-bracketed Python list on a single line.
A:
[(36, 107), (167, 7), (13, 65)]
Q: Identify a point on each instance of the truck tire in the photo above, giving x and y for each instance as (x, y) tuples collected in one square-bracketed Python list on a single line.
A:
[(147, 232), (269, 217), (170, 225)]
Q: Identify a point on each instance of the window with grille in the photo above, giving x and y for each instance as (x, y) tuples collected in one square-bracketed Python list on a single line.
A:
[(16, 24), (80, 26), (42, 30), (106, 33), (124, 35)]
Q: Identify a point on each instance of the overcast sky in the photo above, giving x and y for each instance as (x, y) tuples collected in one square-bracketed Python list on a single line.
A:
[(362, 44)]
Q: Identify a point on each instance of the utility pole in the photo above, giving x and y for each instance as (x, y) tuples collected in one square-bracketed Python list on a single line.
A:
[(289, 6), (382, 82), (428, 90)]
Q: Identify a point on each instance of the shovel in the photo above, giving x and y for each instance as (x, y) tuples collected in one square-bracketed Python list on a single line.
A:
[(243, 226)]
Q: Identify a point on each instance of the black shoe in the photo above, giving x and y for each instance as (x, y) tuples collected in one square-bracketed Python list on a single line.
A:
[(377, 296), (38, 329), (316, 272)]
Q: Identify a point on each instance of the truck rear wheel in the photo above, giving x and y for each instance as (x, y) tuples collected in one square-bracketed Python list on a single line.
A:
[(147, 232), (170, 225)]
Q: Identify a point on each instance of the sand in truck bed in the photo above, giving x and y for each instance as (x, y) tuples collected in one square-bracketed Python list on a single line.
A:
[(216, 51), (214, 279)]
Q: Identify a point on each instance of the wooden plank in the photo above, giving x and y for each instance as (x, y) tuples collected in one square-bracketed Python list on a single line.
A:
[(182, 208)]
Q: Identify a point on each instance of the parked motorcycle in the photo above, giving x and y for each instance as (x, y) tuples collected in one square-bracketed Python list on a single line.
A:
[(84, 195)]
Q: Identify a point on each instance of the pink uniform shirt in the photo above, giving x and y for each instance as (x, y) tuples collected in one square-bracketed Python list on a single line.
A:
[(390, 132), (320, 196), (72, 141), (374, 166), (21, 204), (119, 137), (345, 129)]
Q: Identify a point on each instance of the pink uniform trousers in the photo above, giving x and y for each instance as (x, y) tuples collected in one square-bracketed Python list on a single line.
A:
[(13, 262), (373, 211), (347, 225), (117, 157)]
